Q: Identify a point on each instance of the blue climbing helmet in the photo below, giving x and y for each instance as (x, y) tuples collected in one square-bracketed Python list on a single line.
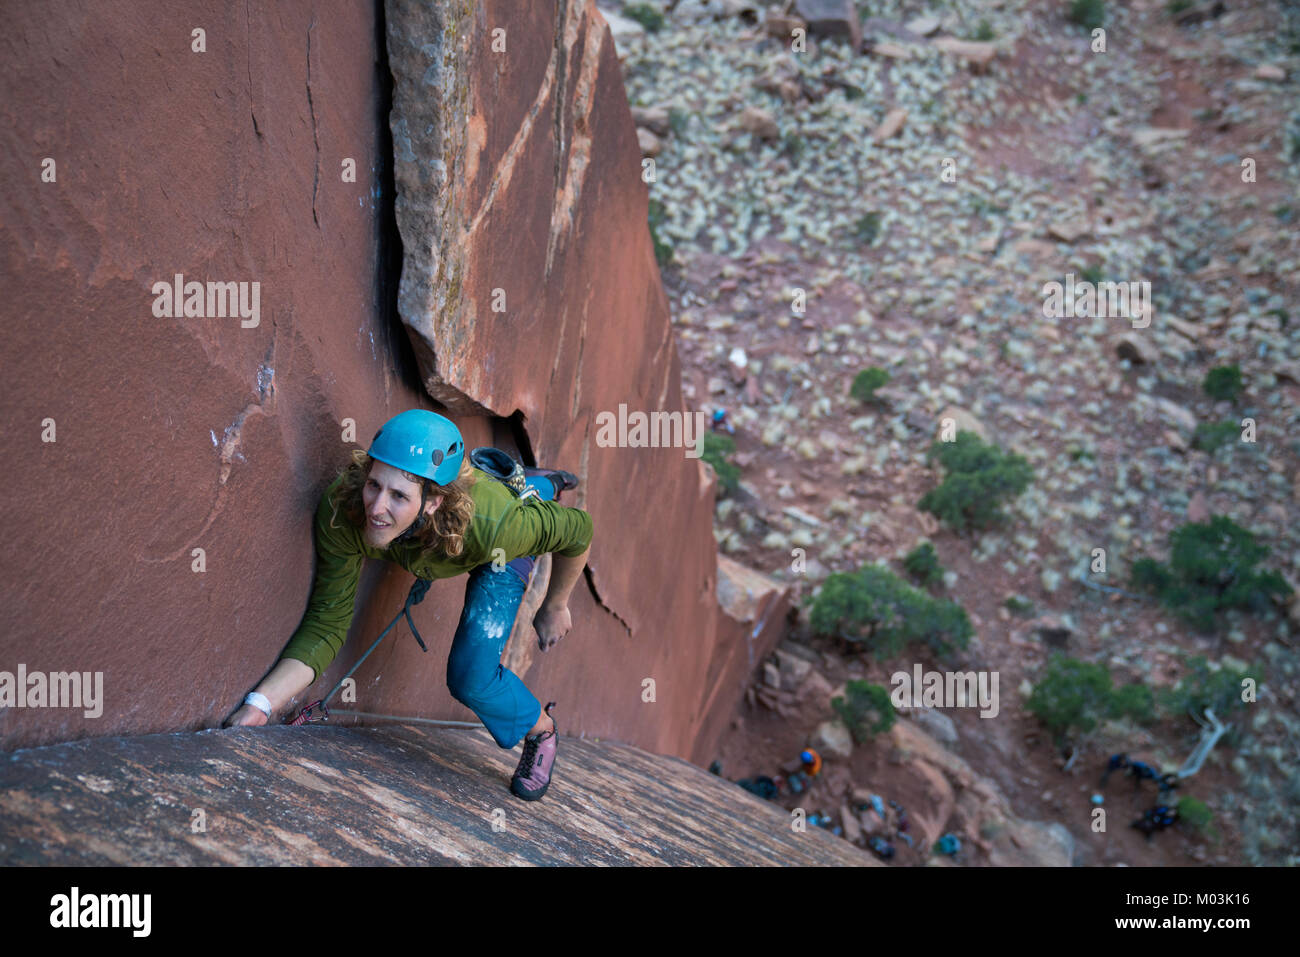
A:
[(422, 443)]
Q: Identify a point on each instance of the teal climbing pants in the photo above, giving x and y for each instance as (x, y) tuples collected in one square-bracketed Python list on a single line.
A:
[(475, 675)]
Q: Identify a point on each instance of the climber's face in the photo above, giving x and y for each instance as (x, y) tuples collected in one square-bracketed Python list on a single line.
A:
[(391, 501)]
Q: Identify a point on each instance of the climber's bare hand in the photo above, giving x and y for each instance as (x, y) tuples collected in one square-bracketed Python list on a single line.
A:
[(552, 624), (247, 715)]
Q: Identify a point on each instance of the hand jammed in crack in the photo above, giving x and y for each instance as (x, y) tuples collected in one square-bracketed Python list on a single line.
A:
[(552, 623)]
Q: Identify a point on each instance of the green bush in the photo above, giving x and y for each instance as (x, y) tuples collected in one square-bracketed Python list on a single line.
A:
[(1019, 605), (1071, 695), (1134, 701), (867, 228), (716, 449), (867, 711), (793, 146), (866, 382), (984, 32), (1223, 382), (1075, 695), (1197, 815), (922, 563), (1212, 437), (1088, 14), (1205, 687), (663, 250), (1211, 568), (646, 15), (979, 478), (876, 608)]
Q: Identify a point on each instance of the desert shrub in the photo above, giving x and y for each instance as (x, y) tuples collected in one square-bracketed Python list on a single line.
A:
[(663, 250), (867, 228), (1197, 815), (1071, 695), (1019, 605), (1211, 568), (1212, 436), (1074, 695), (1206, 687), (646, 15), (1088, 14), (875, 608), (715, 451), (1134, 701), (923, 564), (867, 710), (979, 477), (1223, 382), (866, 382)]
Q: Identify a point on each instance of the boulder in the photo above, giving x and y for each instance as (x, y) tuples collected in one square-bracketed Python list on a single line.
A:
[(890, 125), (832, 739), (648, 143), (937, 724), (832, 18), (1137, 347), (977, 54)]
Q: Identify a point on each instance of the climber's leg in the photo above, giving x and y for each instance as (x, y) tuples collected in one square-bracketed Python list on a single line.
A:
[(475, 675)]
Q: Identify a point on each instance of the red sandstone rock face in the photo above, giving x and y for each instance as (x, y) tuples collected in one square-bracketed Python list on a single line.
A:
[(381, 796), (195, 432)]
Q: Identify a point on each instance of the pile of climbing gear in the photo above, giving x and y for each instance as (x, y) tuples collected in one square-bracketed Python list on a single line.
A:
[(881, 848), (1159, 818), (762, 785)]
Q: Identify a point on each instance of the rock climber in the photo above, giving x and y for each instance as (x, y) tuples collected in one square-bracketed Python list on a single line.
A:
[(811, 762), (1141, 771), (415, 499), (1116, 762)]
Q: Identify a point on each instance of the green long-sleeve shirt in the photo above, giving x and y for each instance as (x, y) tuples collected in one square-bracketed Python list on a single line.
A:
[(518, 527)]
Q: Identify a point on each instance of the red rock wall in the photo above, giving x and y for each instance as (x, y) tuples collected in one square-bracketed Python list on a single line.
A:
[(174, 434)]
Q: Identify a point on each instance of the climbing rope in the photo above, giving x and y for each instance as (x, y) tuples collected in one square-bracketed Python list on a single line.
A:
[(398, 717), (309, 715)]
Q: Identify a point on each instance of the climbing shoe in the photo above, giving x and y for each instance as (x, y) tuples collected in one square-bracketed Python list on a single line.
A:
[(533, 776), (561, 479)]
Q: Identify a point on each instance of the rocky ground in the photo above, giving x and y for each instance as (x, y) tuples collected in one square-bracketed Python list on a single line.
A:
[(823, 170)]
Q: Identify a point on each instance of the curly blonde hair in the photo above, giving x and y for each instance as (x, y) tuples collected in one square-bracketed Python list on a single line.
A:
[(444, 531)]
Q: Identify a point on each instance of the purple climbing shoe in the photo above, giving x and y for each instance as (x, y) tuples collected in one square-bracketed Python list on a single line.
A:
[(533, 776)]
